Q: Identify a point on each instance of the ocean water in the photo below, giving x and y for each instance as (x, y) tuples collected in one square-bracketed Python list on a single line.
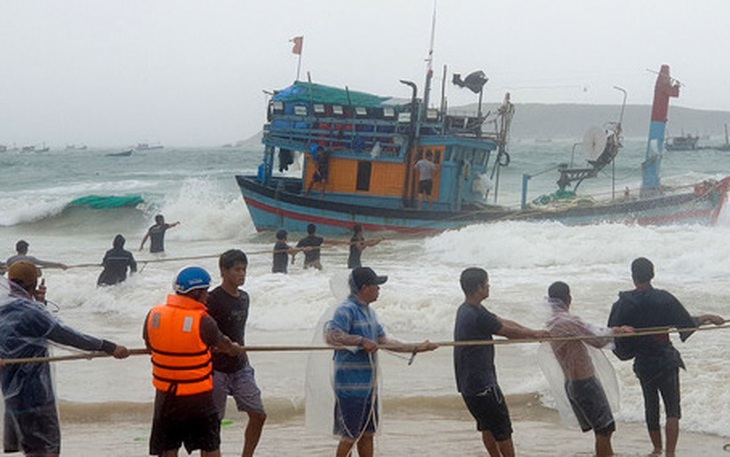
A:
[(69, 205)]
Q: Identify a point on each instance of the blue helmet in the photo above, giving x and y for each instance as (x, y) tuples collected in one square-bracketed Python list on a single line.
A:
[(191, 278)]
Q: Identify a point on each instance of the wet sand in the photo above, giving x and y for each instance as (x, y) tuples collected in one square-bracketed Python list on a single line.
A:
[(412, 431)]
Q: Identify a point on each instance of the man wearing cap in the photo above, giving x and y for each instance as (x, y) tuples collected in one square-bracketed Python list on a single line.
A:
[(656, 361), (180, 334), (21, 248), (31, 418), (356, 325)]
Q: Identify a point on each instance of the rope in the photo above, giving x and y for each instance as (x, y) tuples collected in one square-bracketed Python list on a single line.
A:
[(643, 332), (215, 256)]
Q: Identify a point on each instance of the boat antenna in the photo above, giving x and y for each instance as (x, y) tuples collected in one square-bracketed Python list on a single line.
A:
[(623, 104), (429, 62), (618, 135)]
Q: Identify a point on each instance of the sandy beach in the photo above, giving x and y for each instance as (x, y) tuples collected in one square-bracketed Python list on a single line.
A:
[(415, 431)]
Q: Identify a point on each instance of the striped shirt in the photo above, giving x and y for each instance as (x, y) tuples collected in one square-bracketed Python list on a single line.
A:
[(354, 371)]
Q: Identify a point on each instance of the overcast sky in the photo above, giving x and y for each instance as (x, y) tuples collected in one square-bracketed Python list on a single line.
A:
[(192, 72)]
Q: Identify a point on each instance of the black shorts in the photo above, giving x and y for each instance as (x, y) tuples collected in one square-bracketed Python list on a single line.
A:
[(665, 383), (491, 413), (189, 420), (34, 432), (425, 186), (590, 405)]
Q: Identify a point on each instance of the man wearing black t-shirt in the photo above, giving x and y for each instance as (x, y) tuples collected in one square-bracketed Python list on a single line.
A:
[(476, 376), (234, 376), (156, 234), (311, 245), (656, 361)]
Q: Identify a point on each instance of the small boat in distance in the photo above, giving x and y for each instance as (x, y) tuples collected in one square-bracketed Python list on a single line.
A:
[(147, 146), (682, 143), (76, 147), (126, 153)]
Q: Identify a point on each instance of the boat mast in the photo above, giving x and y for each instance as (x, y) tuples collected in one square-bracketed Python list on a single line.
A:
[(664, 88), (429, 65)]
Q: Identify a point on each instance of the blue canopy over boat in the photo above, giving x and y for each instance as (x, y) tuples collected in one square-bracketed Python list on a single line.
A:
[(317, 93)]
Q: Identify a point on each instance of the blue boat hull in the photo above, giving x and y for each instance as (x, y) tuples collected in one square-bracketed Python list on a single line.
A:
[(273, 208)]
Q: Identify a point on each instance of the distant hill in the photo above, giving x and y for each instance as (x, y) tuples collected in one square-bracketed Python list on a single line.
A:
[(555, 121)]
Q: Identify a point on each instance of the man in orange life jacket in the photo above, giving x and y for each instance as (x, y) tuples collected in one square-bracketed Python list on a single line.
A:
[(180, 335)]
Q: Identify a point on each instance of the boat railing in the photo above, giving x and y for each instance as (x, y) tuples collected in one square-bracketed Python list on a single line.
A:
[(361, 135)]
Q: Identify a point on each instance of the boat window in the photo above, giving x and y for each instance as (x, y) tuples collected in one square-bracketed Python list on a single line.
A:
[(458, 154), (361, 111), (404, 117), (319, 108), (300, 110), (364, 169), (432, 114), (388, 112), (482, 157), (337, 110), (278, 106)]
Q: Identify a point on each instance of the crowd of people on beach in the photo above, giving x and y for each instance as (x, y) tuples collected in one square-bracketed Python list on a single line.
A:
[(198, 352)]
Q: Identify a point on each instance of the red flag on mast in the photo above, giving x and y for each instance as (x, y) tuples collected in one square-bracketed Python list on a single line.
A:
[(298, 43)]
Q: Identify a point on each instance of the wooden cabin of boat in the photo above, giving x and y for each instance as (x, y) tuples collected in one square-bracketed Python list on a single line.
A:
[(374, 143)]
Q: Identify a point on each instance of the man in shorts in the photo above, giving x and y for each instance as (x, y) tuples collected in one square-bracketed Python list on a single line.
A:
[(156, 235), (476, 377), (26, 327), (584, 391), (656, 361), (426, 169), (180, 334), (233, 375), (356, 391)]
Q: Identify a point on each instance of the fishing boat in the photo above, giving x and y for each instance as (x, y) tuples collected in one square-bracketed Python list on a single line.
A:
[(125, 153), (147, 146), (373, 143), (682, 143)]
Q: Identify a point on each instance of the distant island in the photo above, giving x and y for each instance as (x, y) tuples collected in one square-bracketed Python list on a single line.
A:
[(570, 121)]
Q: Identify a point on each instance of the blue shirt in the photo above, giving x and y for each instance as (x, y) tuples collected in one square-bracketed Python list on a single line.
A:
[(354, 371), (474, 365)]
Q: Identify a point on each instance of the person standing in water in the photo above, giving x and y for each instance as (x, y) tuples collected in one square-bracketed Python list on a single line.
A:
[(282, 250), (357, 245), (228, 304), (115, 263), (156, 234), (656, 361), (21, 249)]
